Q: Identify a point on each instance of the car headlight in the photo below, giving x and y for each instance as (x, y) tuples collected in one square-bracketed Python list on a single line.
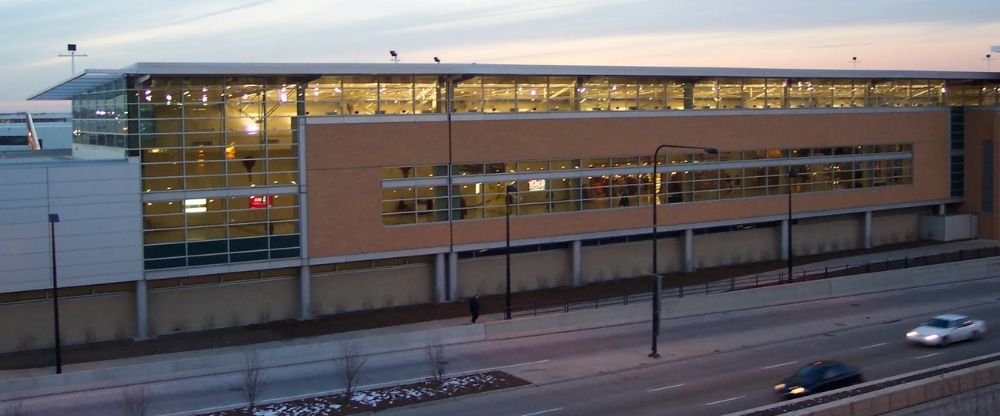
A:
[(798, 390), (931, 337), (779, 387), (912, 334)]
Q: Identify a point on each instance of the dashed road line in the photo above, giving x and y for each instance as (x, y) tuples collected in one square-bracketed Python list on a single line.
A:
[(928, 355), (665, 388), (725, 400), (543, 411), (874, 345), (779, 365)]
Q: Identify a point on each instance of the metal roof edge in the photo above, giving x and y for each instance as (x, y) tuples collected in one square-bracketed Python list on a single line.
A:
[(275, 68), (77, 83), (53, 92)]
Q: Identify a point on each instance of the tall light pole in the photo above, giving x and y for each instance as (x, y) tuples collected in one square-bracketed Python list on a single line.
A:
[(71, 48), (657, 283), (53, 219), (507, 201), (791, 175)]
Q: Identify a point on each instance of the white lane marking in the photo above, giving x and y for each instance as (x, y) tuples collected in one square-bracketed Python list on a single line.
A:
[(483, 370), (365, 387), (665, 388), (779, 365), (725, 400), (874, 345), (928, 355), (543, 411)]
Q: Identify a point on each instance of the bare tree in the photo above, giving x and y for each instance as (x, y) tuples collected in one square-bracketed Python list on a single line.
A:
[(135, 401), (254, 382), (14, 409), (350, 365), (435, 359)]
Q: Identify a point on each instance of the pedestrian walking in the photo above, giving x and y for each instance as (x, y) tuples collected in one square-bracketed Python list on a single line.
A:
[(474, 307)]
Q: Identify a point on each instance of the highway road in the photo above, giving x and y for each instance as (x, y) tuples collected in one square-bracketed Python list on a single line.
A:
[(711, 365)]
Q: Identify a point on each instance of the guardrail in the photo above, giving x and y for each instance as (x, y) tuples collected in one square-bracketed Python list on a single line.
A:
[(755, 281)]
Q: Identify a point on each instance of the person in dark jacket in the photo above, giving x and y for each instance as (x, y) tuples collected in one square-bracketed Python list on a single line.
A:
[(474, 307)]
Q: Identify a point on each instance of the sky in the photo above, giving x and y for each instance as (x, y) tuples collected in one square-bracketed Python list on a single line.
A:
[(882, 34)]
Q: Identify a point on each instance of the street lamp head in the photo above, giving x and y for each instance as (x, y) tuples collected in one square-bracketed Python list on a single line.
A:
[(392, 53)]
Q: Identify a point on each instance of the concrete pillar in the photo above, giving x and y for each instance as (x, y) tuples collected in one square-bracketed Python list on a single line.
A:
[(305, 275), (440, 284), (784, 239), (452, 276), (305, 292), (942, 209), (868, 229), (577, 261), (688, 250), (141, 310)]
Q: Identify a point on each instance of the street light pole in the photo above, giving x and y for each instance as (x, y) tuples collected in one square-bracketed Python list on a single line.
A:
[(791, 174), (53, 219), (507, 201), (657, 282)]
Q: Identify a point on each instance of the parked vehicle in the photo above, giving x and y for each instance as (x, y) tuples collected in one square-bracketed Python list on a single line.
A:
[(816, 377), (944, 329)]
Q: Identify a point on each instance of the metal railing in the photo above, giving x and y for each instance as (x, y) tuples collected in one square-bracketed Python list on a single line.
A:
[(757, 280)]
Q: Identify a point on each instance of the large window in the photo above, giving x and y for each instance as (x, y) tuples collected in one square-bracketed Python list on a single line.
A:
[(200, 231), (590, 183)]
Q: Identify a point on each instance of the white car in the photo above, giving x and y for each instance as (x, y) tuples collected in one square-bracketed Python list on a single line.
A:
[(942, 330)]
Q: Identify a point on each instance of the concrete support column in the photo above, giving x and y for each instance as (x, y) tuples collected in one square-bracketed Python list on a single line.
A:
[(784, 239), (577, 261), (440, 284), (305, 275), (141, 310), (868, 229), (305, 292), (452, 276), (688, 250), (942, 209)]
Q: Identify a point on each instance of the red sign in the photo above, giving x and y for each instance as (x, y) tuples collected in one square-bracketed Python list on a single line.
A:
[(261, 201)]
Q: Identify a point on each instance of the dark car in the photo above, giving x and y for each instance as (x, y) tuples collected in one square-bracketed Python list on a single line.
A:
[(816, 377)]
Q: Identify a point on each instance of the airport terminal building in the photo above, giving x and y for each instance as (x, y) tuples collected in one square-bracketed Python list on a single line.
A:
[(212, 195)]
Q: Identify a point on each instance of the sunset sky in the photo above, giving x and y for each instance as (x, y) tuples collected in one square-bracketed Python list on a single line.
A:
[(882, 34)]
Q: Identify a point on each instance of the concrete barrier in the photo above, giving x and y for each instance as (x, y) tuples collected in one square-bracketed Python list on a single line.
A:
[(897, 397), (907, 395)]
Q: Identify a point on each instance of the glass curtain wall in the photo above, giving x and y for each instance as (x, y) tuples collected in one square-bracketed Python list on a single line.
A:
[(620, 181), (218, 135)]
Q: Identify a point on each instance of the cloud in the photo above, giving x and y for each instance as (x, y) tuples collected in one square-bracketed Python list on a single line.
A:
[(484, 19), (879, 46)]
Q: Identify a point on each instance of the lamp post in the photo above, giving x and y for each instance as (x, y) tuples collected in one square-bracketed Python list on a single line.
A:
[(53, 219), (791, 174), (657, 283), (507, 201)]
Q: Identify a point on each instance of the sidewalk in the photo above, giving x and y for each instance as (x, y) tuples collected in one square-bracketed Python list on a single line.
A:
[(152, 368)]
